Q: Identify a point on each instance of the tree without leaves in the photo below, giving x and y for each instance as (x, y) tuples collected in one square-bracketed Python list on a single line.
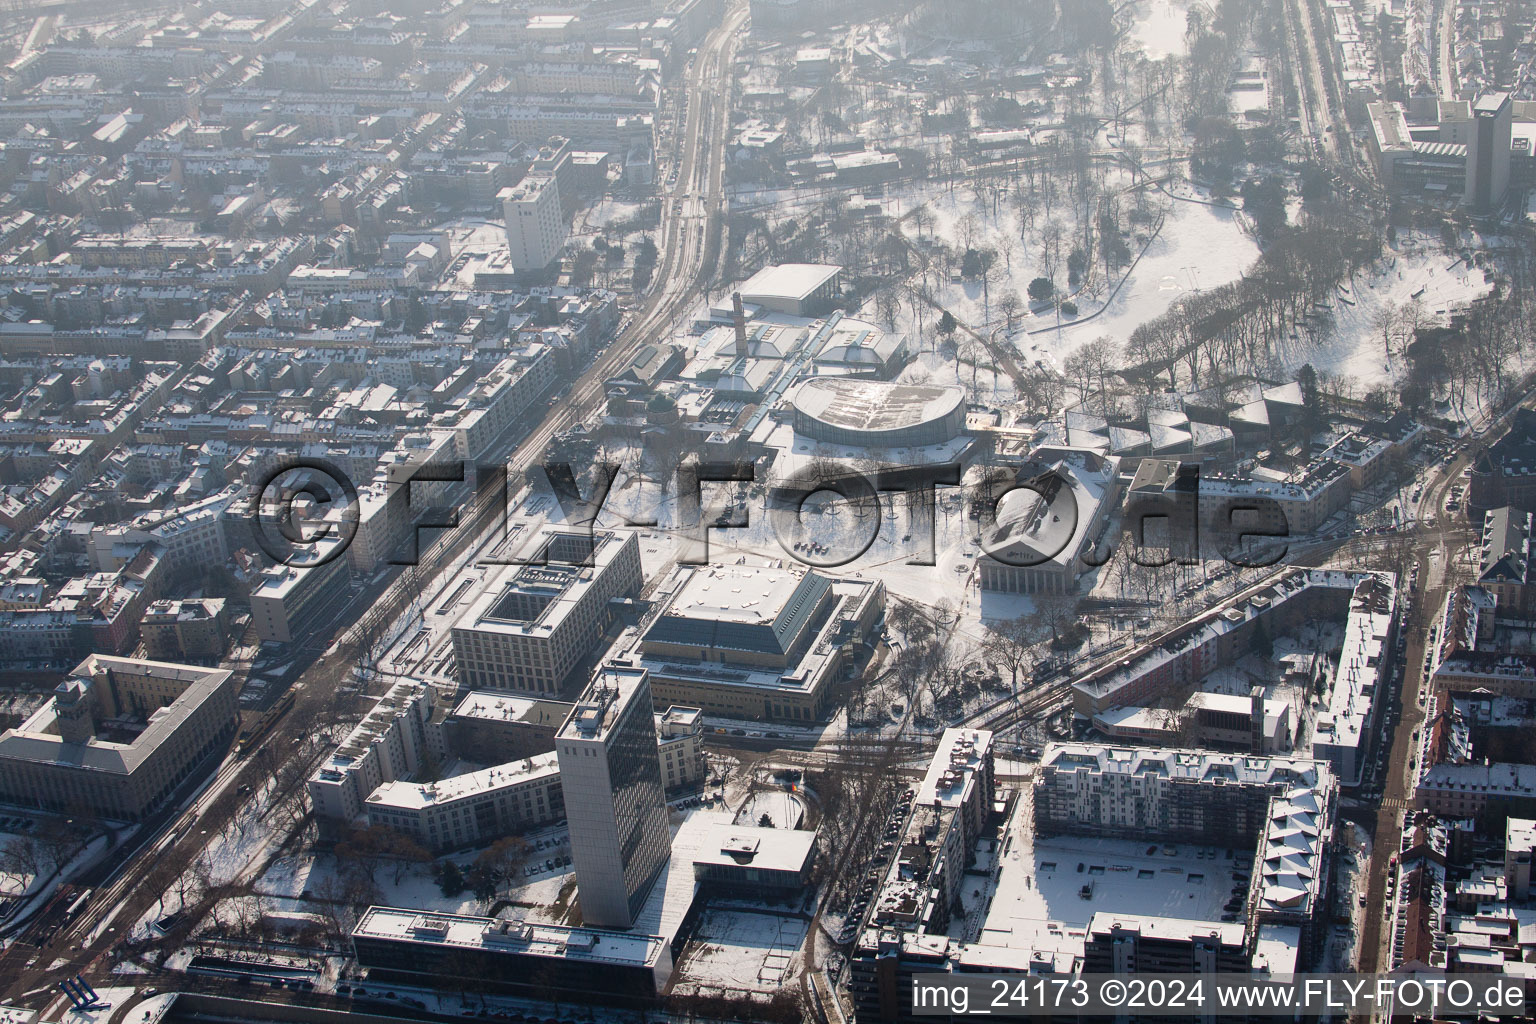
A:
[(1013, 642)]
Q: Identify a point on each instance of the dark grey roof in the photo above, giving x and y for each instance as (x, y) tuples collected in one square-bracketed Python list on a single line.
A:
[(776, 636)]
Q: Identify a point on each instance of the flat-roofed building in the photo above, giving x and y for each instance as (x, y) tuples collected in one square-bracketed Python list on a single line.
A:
[(680, 746), (503, 394), (1128, 944), (1220, 721), (535, 221), (953, 803), (1173, 664), (472, 808), (389, 743), (756, 642), (1519, 851), (118, 737), (488, 727), (192, 628), (1488, 155), (617, 814), (288, 600), (747, 859), (800, 289), (530, 623), (517, 957), (1097, 892), (864, 412)]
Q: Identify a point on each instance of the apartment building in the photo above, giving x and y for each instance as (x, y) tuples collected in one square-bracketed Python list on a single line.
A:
[(390, 743), (191, 629), (535, 221), (287, 600)]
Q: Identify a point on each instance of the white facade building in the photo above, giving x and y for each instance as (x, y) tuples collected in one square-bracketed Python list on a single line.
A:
[(389, 744), (536, 226)]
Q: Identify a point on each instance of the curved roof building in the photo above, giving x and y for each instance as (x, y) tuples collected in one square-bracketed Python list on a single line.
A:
[(872, 413)]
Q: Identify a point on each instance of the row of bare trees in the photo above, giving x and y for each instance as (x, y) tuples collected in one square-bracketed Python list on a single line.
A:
[(1249, 325)]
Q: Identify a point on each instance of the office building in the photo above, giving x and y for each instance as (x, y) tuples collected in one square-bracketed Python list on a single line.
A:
[(613, 797), (1488, 154), (1216, 721), (753, 861), (540, 961), (528, 623), (1129, 944), (117, 737)]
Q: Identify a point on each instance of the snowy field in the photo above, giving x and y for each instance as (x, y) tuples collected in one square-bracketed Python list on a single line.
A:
[(1159, 27), (320, 876), (609, 211), (1199, 246), (1355, 350)]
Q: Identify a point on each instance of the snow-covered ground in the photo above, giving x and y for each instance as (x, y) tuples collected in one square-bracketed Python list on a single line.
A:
[(609, 211), (320, 876), (1159, 27), (741, 950), (1355, 349), (1198, 246), (783, 808)]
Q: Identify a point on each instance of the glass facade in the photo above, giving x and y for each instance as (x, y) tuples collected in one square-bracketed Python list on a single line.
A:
[(639, 806)]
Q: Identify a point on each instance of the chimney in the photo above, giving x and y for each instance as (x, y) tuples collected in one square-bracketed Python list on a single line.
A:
[(741, 326)]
